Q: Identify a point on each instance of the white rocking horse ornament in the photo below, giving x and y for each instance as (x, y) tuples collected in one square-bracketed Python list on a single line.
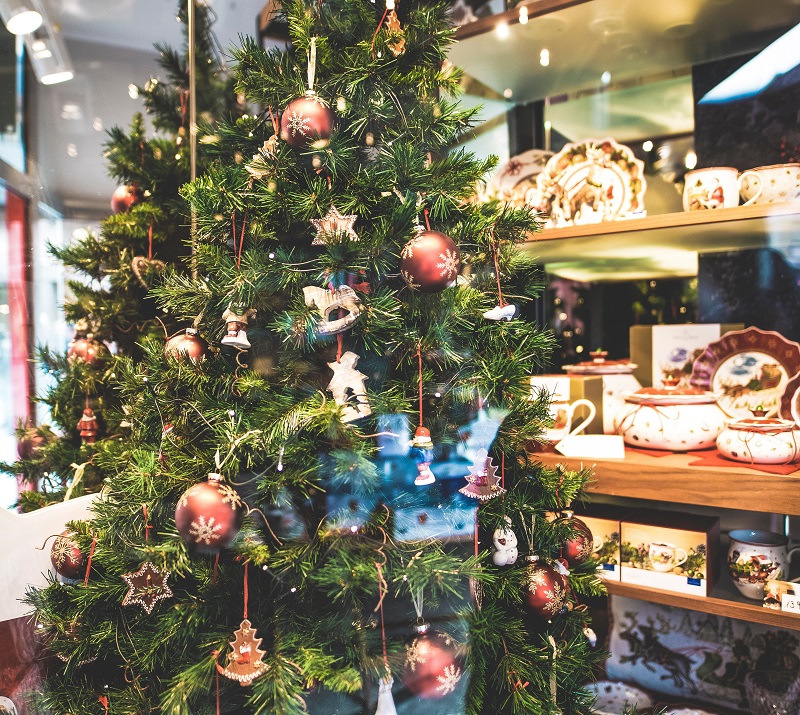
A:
[(326, 301)]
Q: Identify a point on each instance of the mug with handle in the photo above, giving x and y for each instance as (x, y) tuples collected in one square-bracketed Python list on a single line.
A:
[(562, 414), (665, 557), (716, 187)]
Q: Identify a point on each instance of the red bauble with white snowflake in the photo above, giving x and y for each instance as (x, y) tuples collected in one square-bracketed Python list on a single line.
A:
[(434, 665), (209, 515), (67, 558), (579, 548), (86, 350), (545, 589), (430, 262), (307, 122), (125, 198)]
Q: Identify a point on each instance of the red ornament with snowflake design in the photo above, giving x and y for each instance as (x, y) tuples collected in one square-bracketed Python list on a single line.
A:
[(209, 515), (307, 122), (578, 548), (545, 589), (66, 556), (433, 666), (430, 262)]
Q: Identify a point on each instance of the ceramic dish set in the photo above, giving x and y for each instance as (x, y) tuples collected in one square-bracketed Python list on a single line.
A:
[(744, 399), (717, 187)]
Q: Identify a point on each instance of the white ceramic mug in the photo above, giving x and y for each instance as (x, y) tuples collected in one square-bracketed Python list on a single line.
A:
[(717, 187), (771, 184), (754, 557), (562, 414), (665, 557)]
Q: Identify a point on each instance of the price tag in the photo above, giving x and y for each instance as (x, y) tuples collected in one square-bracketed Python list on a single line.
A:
[(790, 603)]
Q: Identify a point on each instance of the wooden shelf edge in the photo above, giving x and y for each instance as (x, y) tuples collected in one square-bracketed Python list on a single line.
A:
[(511, 17), (667, 221), (671, 479), (741, 610)]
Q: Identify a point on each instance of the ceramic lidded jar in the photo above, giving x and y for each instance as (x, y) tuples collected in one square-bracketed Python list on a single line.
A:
[(672, 419), (760, 440)]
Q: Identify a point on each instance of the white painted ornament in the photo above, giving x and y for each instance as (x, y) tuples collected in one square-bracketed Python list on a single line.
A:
[(236, 321), (504, 312), (385, 698), (347, 386), (591, 636), (333, 224), (505, 546), (326, 301)]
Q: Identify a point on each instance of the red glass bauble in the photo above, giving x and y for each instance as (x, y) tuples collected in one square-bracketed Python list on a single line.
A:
[(545, 589), (433, 666), (209, 515), (124, 198), (307, 122), (430, 262), (67, 558), (187, 345), (30, 444), (85, 349), (579, 548)]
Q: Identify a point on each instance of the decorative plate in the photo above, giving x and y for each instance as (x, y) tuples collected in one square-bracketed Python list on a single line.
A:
[(591, 181), (613, 697), (514, 181), (747, 368), (687, 711), (790, 401)]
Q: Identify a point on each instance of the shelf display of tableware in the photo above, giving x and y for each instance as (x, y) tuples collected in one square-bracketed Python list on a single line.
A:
[(760, 440), (755, 557), (616, 697), (673, 419)]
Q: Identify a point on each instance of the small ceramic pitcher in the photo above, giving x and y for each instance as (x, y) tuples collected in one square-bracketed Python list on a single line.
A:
[(562, 414), (665, 557), (754, 557)]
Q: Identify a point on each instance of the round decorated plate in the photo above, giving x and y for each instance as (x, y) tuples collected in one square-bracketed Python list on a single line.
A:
[(613, 697), (514, 180), (670, 396), (606, 367), (790, 400), (591, 181), (748, 369)]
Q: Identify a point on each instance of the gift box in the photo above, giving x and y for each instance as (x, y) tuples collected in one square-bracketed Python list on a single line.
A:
[(670, 550), (604, 521), (670, 350)]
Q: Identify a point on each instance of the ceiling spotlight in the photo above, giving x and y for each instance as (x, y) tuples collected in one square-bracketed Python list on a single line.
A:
[(690, 160), (647, 146), (544, 58), (523, 15), (605, 78), (508, 92), (22, 21), (45, 47), (56, 77), (502, 30)]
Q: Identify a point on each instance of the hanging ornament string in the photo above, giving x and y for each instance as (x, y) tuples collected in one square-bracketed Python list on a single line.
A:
[(339, 336), (383, 589), (147, 526), (216, 570), (312, 64), (426, 216), (503, 470), (389, 6), (89, 561), (500, 300), (553, 681), (529, 534), (419, 360), (246, 590), (150, 241), (417, 600)]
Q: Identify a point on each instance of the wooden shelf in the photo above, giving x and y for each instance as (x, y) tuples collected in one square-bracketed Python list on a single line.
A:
[(721, 603), (649, 237), (671, 479)]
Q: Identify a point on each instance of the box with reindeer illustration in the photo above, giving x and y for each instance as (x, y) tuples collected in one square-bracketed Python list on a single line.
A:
[(670, 550), (603, 521)]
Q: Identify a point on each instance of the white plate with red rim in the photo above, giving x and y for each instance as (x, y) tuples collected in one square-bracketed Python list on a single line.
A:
[(613, 697), (763, 424)]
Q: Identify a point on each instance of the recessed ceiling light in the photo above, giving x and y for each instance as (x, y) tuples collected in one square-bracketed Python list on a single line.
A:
[(56, 77), (605, 78), (502, 30), (647, 146), (523, 15), (38, 45), (23, 21), (72, 150), (133, 91), (690, 160), (508, 92), (544, 58)]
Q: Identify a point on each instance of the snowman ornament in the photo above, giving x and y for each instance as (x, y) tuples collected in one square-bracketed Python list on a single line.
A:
[(505, 546)]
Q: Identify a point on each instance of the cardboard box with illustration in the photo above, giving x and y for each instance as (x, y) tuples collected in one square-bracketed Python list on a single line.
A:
[(603, 521), (670, 550)]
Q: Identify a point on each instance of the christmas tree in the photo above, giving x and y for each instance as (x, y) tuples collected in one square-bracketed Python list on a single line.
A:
[(271, 541), (113, 271)]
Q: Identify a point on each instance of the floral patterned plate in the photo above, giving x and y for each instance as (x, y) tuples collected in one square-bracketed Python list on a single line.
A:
[(591, 181), (514, 181), (747, 369), (790, 401), (613, 697)]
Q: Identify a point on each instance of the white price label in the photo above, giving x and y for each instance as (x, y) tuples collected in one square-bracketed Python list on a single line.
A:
[(790, 603)]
